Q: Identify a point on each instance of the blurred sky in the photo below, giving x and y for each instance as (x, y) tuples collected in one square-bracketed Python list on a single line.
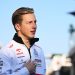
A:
[(53, 22)]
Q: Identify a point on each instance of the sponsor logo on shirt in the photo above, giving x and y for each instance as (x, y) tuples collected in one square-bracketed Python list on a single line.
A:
[(38, 62), (19, 52), (1, 64), (0, 69), (11, 46), (35, 53)]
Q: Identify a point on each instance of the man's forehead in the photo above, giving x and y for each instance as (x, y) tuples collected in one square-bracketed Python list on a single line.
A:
[(29, 17)]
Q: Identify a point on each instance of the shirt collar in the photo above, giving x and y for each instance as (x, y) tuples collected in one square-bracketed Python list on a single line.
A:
[(19, 39)]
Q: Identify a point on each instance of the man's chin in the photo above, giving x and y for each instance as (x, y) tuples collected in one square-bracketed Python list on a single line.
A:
[(32, 37)]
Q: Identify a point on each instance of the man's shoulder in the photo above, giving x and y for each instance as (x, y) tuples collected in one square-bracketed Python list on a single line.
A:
[(8, 46), (37, 46), (8, 49)]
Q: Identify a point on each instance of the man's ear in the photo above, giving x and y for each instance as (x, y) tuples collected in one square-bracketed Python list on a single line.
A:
[(17, 27)]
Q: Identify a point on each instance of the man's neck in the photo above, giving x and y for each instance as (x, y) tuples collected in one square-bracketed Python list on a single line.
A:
[(27, 43)]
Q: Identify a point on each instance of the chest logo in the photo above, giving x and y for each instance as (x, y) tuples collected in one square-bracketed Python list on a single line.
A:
[(19, 52)]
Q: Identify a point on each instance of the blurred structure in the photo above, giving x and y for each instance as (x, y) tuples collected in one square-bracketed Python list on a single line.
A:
[(72, 49), (72, 32), (64, 64), (72, 36), (72, 40), (72, 13), (60, 65)]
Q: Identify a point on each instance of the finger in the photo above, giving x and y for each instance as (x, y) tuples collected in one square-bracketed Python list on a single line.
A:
[(28, 61)]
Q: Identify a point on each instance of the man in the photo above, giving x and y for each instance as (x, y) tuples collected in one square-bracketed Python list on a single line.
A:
[(21, 56)]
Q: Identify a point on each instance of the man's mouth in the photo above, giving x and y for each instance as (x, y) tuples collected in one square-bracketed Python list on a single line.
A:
[(33, 32)]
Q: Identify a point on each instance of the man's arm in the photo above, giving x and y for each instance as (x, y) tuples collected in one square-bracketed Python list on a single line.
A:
[(6, 68)]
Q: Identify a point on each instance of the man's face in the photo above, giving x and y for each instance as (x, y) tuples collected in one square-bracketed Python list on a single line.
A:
[(28, 26)]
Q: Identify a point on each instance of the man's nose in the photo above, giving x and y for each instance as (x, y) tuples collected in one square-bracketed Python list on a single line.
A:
[(34, 25)]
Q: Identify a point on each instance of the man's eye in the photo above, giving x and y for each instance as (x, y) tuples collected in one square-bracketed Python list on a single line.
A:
[(30, 21)]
